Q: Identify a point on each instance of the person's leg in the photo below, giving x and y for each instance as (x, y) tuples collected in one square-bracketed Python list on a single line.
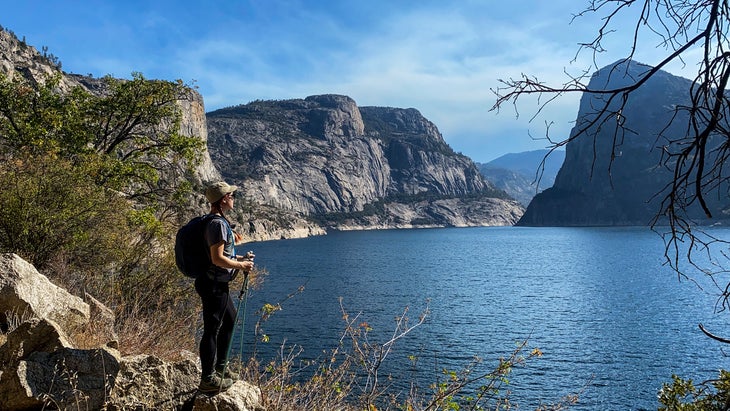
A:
[(226, 331), (215, 301)]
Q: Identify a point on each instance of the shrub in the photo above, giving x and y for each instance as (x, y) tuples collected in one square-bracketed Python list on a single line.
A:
[(92, 186), (685, 395)]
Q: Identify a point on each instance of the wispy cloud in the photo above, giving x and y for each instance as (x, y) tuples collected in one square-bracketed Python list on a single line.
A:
[(443, 58)]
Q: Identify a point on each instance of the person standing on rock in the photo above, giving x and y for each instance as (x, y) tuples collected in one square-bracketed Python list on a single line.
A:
[(219, 312)]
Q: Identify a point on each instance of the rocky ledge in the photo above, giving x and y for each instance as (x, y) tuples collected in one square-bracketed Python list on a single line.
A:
[(41, 368)]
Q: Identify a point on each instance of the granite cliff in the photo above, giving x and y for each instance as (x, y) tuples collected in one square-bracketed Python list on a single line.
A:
[(350, 167), (318, 162), (600, 185)]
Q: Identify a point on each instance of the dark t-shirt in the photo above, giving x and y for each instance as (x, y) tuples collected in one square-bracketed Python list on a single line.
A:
[(218, 230)]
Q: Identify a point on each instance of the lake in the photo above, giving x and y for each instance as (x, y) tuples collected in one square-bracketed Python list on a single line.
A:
[(611, 319)]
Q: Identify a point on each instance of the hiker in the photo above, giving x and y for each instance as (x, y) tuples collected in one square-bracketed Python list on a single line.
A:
[(219, 312)]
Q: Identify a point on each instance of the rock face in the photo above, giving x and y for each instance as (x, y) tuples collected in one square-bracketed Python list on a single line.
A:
[(348, 166), (193, 123), (17, 57), (319, 162), (589, 190), (23, 293), (41, 368)]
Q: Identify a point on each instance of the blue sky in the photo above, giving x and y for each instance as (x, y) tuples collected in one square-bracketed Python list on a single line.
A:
[(440, 57)]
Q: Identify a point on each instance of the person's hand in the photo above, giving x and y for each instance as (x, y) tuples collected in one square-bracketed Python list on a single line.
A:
[(247, 266), (247, 260)]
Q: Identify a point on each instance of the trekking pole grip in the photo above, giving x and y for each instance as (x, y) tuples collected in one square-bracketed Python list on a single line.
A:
[(244, 286)]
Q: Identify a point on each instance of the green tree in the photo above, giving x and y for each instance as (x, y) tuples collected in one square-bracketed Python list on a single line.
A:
[(122, 142), (685, 395), (92, 186), (135, 126), (49, 207)]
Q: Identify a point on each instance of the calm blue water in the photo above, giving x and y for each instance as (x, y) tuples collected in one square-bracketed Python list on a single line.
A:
[(610, 318)]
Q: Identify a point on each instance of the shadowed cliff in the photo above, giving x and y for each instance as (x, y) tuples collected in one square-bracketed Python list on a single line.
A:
[(613, 174)]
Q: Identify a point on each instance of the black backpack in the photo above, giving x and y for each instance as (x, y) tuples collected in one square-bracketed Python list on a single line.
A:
[(191, 251)]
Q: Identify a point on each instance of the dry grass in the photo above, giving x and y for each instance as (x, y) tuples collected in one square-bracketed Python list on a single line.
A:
[(10, 321), (166, 334)]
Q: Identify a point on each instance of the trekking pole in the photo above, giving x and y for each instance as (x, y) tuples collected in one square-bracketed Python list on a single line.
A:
[(243, 317), (241, 297)]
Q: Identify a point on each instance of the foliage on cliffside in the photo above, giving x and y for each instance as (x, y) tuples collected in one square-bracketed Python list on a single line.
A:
[(91, 186)]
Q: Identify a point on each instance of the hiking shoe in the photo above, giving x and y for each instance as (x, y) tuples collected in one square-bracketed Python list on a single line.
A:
[(214, 384), (231, 375)]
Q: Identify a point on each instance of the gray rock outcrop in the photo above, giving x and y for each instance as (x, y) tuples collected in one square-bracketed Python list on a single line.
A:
[(193, 124), (26, 293), (146, 382), (348, 166), (17, 57), (65, 378), (40, 365), (42, 368), (240, 397)]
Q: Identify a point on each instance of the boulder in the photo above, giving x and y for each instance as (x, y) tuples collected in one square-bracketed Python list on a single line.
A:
[(28, 294), (242, 396), (32, 336), (146, 382), (65, 378), (39, 367), (101, 324)]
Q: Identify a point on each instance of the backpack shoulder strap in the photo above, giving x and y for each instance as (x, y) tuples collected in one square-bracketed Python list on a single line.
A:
[(210, 217)]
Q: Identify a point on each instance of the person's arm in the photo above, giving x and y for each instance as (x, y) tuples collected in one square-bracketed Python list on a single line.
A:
[(218, 258)]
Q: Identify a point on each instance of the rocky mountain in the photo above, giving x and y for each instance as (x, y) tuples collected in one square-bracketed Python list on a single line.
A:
[(600, 185), (351, 167), (19, 58), (522, 175)]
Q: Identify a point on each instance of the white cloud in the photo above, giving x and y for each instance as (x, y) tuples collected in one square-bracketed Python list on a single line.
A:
[(444, 62), (442, 58)]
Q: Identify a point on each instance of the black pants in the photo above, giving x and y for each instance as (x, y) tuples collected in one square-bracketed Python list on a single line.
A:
[(219, 315)]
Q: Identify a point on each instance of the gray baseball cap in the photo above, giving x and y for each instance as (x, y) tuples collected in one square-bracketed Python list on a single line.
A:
[(216, 191)]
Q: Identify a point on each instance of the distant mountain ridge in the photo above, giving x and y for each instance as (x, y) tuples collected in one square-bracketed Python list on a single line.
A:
[(518, 174), (598, 185), (352, 167)]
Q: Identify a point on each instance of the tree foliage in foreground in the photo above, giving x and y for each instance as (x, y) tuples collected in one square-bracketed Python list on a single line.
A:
[(91, 185), (685, 395)]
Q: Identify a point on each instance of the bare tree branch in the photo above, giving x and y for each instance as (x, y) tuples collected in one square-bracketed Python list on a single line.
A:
[(691, 32)]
